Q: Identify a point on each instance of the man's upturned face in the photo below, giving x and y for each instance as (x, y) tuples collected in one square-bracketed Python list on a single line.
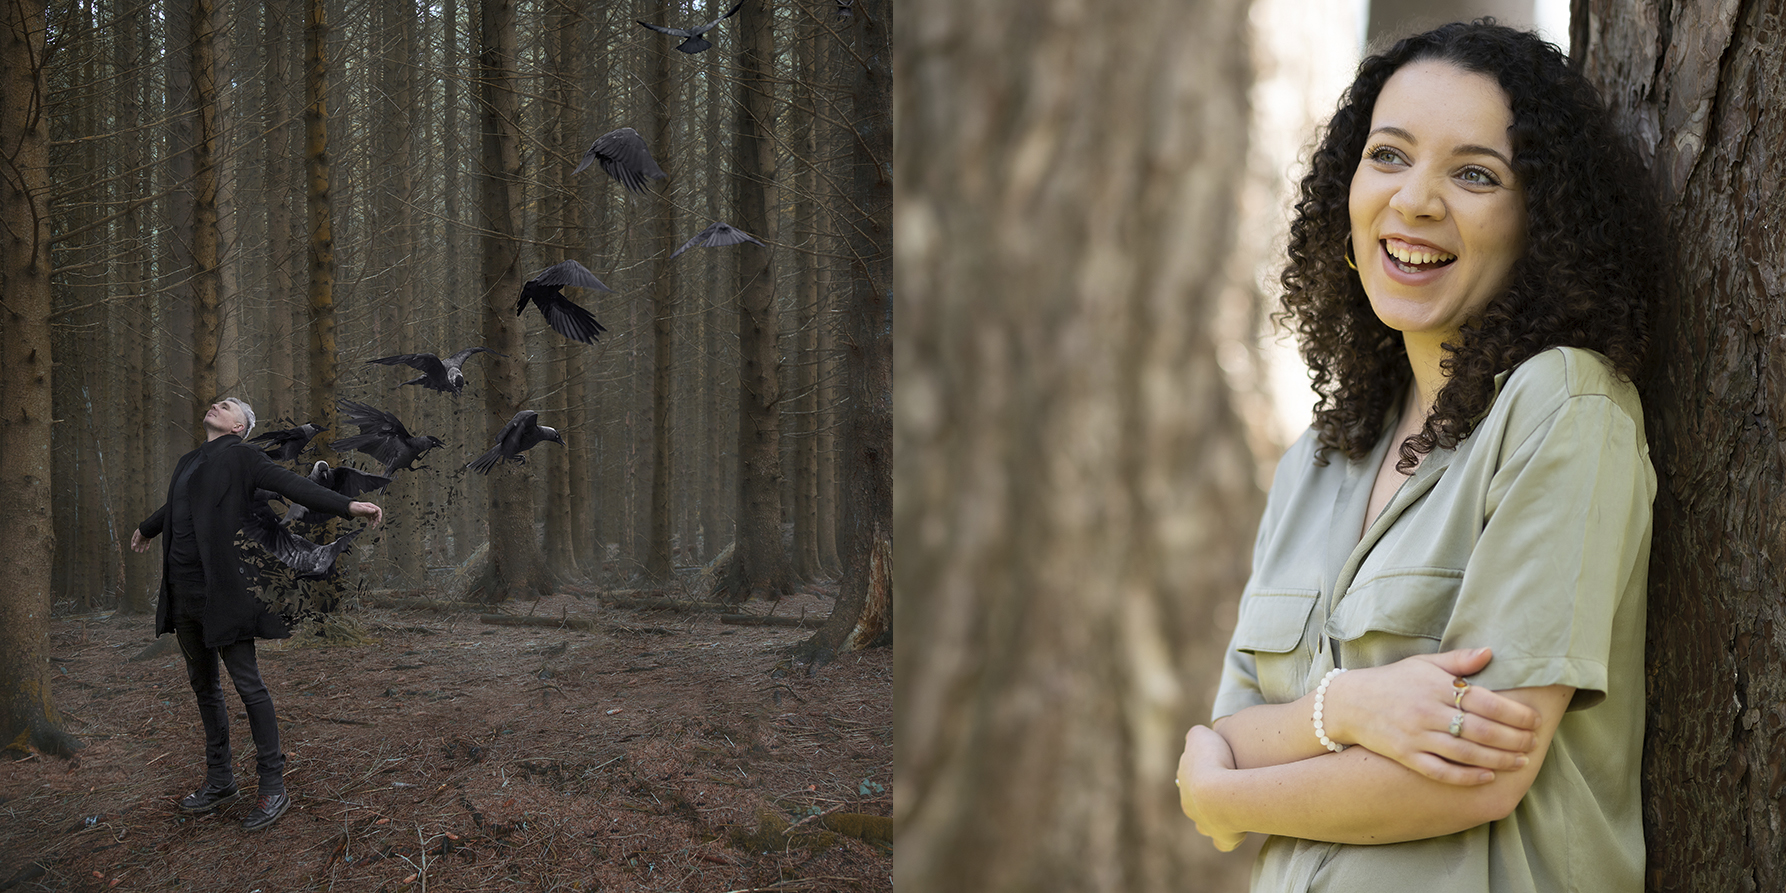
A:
[(225, 418)]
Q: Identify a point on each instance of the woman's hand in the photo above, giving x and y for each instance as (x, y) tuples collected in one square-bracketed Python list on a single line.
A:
[(1206, 756), (1405, 711), (138, 542)]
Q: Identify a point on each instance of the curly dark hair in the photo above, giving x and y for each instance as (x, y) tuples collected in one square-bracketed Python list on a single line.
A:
[(1594, 257)]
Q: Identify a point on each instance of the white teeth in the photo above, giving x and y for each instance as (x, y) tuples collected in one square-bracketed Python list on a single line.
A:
[(1416, 255)]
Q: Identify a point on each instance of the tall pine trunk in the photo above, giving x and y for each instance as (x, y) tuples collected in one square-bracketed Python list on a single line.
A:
[(1699, 86), (864, 611), (321, 226), (28, 719), (517, 565), (1075, 499), (761, 567)]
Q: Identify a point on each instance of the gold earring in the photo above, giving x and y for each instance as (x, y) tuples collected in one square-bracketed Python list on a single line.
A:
[(1349, 261)]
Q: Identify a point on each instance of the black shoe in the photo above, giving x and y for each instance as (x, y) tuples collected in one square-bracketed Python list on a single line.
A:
[(209, 797), (266, 811)]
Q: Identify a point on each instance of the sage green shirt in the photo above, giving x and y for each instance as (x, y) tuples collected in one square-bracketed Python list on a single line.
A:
[(1533, 537)]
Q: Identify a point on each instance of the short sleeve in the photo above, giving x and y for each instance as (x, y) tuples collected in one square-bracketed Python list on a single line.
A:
[(1567, 525)]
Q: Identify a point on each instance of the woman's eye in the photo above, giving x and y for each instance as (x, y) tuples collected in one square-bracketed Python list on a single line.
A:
[(1477, 176), (1384, 155)]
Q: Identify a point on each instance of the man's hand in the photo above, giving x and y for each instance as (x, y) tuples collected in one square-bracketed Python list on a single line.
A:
[(138, 543), (364, 510)]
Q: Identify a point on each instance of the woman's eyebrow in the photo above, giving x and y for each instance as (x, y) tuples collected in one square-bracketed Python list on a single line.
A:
[(1466, 149)]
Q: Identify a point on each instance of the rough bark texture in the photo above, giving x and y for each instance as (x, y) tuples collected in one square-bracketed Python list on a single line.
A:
[(658, 229), (1074, 498), (1701, 87), (518, 565), (28, 719), (321, 289), (762, 568), (864, 612)]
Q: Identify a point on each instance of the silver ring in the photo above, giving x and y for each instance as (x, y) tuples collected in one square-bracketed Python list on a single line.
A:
[(1457, 725)]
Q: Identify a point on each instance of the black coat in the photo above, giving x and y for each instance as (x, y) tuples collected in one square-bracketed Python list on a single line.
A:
[(221, 491)]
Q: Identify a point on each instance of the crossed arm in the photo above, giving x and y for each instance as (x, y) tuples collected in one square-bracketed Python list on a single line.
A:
[(1262, 769)]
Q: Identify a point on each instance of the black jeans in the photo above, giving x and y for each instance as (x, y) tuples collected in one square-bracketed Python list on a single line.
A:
[(207, 685)]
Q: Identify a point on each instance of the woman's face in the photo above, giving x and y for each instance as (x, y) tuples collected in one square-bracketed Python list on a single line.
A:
[(1437, 217)]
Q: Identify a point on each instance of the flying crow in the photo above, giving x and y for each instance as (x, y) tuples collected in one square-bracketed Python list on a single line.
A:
[(383, 438), (287, 444), (624, 157), (717, 234), (310, 560), (694, 42), (515, 438), (561, 314), (347, 481), (437, 374)]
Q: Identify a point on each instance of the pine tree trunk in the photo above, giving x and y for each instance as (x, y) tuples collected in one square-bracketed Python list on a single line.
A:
[(863, 614), (1075, 498), (321, 231), (658, 245), (1701, 86), (28, 719), (761, 568), (206, 323), (517, 564)]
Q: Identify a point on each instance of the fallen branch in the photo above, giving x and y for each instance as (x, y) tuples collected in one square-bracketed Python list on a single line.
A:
[(772, 620), (645, 603), (421, 604)]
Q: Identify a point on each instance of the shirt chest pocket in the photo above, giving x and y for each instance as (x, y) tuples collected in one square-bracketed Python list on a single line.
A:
[(1270, 628), (1394, 615)]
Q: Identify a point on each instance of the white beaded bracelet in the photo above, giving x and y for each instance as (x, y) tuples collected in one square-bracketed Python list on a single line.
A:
[(1321, 696)]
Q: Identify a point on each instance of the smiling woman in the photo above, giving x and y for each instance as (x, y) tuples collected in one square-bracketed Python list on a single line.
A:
[(1435, 680)]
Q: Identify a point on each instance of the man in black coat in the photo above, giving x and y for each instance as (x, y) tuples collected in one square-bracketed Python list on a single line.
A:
[(205, 598)]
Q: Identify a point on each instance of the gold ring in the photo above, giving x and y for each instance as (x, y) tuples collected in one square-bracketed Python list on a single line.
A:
[(1460, 686), (1457, 724)]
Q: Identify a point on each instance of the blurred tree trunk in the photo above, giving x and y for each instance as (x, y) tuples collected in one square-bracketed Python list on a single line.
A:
[(1701, 87), (1075, 496), (761, 568), (517, 565), (28, 719), (282, 193), (321, 228), (863, 614)]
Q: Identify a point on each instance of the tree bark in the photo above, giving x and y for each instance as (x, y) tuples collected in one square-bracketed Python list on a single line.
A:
[(517, 564), (1700, 86), (28, 719), (658, 245), (321, 227), (1075, 497), (762, 568), (863, 615), (206, 323)]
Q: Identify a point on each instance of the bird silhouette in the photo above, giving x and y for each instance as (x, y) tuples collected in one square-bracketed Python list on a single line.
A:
[(311, 560), (383, 437), (343, 479), (441, 375), (518, 436), (564, 316), (694, 42), (717, 234), (624, 157), (286, 445)]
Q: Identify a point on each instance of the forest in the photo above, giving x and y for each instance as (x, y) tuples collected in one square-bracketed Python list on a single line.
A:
[(258, 200)]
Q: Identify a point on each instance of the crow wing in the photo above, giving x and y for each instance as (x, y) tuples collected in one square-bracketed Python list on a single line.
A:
[(624, 157), (719, 233)]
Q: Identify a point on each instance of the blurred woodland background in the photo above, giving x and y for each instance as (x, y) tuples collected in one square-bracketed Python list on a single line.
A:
[(1089, 207)]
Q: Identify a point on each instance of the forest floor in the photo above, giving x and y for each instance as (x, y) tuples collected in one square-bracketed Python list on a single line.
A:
[(658, 750)]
